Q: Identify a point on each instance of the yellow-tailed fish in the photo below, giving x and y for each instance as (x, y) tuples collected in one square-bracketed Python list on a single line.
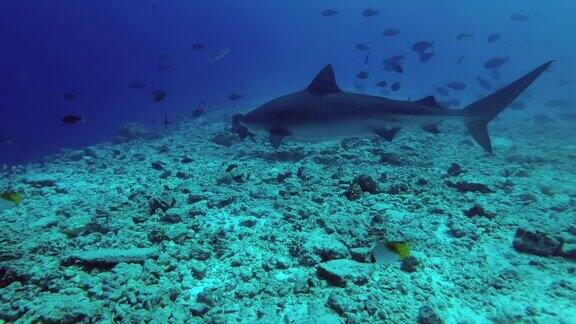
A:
[(389, 252)]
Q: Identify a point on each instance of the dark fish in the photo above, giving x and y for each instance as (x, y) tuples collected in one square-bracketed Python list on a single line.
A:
[(158, 95), (69, 96), (494, 37), (395, 86), (199, 111), (397, 68), (234, 96), (389, 252), (517, 105), (138, 85), (441, 91), (198, 46), (565, 103), (165, 122), (462, 36), (394, 59), (496, 74), (362, 47), (484, 83), (518, 17), (461, 58), (425, 57), (72, 119), (394, 63), (449, 103), (363, 75), (381, 84), (330, 12), (564, 82), (162, 67), (422, 46), (495, 63), (456, 85), (370, 13), (366, 58), (390, 32)]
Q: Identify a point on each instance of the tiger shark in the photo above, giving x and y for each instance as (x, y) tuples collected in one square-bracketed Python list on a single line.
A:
[(323, 111)]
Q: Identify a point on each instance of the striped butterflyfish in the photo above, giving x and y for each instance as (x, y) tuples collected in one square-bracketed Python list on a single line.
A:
[(389, 252)]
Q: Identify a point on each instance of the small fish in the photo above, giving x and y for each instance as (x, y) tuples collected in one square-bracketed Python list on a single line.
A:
[(381, 84), (484, 83), (138, 85), (366, 58), (397, 67), (72, 119), (165, 122), (495, 63), (565, 103), (518, 17), (449, 103), (363, 75), (390, 32), (198, 46), (461, 58), (425, 57), (389, 252), (219, 55), (69, 96), (456, 85), (462, 36), (199, 111), (370, 13), (441, 91), (234, 96), (494, 37), (564, 82), (9, 199), (395, 86), (362, 47), (330, 12), (162, 67), (422, 46), (158, 95), (517, 105)]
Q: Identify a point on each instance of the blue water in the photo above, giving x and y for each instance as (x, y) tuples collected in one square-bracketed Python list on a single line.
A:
[(94, 49)]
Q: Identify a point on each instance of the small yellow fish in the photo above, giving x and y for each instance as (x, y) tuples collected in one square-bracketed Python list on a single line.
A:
[(388, 252), (12, 197)]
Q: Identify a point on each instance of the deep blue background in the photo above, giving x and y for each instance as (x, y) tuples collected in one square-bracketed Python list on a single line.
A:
[(95, 48)]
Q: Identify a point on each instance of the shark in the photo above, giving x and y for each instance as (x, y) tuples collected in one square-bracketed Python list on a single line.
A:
[(322, 111)]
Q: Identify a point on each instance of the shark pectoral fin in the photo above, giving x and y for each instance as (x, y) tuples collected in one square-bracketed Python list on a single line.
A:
[(479, 131), (387, 133), (431, 128), (276, 137)]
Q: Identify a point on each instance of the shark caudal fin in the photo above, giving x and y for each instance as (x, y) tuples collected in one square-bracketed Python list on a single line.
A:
[(484, 110)]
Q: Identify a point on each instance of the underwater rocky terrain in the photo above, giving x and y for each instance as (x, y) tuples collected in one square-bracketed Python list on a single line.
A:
[(191, 224)]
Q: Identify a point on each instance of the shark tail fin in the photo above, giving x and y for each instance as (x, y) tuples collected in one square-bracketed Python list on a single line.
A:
[(482, 111)]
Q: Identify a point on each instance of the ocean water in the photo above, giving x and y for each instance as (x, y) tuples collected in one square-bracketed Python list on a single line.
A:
[(127, 194)]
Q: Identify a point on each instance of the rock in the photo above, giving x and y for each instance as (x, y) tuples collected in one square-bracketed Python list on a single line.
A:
[(426, 315), (321, 248), (199, 309), (464, 187), (537, 243), (111, 257), (410, 264), (171, 218), (454, 170), (568, 251), (360, 254), (76, 225), (391, 159), (341, 303), (478, 210), (343, 271)]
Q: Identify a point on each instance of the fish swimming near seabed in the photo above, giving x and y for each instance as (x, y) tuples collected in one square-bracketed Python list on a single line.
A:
[(323, 111), (219, 55)]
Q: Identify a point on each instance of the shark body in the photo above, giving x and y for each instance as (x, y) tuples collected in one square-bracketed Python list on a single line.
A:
[(323, 111)]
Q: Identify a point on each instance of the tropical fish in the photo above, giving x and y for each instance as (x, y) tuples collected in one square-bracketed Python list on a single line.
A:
[(495, 63), (462, 36), (425, 57), (219, 55), (494, 37), (322, 111), (395, 86), (72, 119), (363, 75), (362, 47), (234, 96), (381, 84), (390, 32), (456, 85), (484, 83), (422, 46), (389, 252), (158, 95), (370, 13), (330, 12)]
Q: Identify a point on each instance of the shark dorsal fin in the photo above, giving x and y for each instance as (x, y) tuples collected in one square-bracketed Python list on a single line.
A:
[(428, 101), (324, 82)]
